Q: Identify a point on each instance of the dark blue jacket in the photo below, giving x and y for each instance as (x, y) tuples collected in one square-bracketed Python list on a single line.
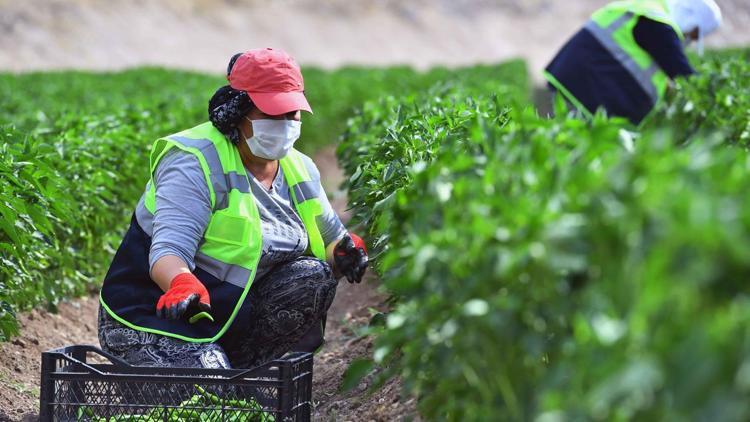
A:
[(597, 79)]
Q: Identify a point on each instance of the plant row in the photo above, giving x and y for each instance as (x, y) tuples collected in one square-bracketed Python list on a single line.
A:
[(558, 269), (74, 161)]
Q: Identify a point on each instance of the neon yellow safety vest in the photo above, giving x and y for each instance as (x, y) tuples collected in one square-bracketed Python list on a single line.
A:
[(232, 243), (613, 27), (233, 236)]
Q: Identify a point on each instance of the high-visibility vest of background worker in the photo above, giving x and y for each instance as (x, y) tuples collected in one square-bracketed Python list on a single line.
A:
[(624, 57), (233, 251)]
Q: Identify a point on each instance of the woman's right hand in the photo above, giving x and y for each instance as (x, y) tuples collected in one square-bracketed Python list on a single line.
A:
[(185, 290)]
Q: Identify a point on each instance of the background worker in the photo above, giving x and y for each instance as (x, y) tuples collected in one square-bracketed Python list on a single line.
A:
[(230, 257), (622, 60)]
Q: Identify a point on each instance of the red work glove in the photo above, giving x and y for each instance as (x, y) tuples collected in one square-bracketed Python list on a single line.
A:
[(350, 257), (184, 290)]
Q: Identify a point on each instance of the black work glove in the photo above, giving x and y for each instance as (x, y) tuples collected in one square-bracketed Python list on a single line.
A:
[(350, 257)]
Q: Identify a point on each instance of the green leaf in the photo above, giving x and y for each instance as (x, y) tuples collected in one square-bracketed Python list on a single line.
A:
[(355, 372)]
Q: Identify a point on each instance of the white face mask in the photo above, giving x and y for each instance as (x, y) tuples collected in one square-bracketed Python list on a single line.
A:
[(272, 139)]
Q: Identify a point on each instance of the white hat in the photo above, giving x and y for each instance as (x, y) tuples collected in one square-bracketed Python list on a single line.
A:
[(704, 15)]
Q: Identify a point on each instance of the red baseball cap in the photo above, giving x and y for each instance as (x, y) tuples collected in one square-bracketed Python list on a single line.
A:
[(272, 79)]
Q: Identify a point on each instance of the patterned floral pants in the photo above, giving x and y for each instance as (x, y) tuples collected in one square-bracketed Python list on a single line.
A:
[(287, 309)]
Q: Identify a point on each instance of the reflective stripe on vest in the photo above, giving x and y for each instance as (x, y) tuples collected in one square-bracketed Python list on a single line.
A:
[(305, 193), (613, 27), (642, 76)]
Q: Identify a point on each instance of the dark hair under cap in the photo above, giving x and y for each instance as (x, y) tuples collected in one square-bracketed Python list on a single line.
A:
[(227, 107), (232, 61)]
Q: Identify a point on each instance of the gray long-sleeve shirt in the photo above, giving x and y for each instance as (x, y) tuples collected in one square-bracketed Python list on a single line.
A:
[(183, 210)]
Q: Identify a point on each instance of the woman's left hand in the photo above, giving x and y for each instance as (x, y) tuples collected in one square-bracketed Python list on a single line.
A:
[(350, 257), (184, 291)]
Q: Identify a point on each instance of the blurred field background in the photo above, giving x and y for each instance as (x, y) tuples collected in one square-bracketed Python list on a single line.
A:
[(202, 34)]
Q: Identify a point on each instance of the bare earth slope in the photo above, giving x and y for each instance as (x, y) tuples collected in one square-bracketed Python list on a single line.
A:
[(203, 34), (20, 359)]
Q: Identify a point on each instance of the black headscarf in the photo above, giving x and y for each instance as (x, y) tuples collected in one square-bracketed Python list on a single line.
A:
[(227, 107)]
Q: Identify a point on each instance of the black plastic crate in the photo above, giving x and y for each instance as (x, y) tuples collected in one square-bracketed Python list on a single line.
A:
[(76, 389)]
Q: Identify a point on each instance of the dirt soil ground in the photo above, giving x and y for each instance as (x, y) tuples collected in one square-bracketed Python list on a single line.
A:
[(351, 309), (75, 323)]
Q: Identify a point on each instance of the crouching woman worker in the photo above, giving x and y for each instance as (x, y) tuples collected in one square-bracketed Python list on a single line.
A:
[(232, 252)]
